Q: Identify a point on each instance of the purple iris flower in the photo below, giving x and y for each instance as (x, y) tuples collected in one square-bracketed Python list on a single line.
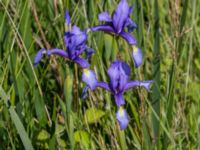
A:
[(75, 42), (117, 24), (119, 73)]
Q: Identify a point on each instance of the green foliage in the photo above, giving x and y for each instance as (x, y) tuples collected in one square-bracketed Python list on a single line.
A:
[(92, 115), (41, 108)]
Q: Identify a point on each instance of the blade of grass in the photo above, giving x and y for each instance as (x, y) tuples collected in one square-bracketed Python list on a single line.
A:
[(156, 75), (18, 124)]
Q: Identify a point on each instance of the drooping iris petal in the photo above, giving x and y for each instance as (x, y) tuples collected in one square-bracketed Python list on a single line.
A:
[(67, 18), (119, 100), (128, 37), (38, 56), (82, 62), (122, 117), (104, 16), (84, 92), (137, 56), (113, 73), (146, 84), (103, 85), (131, 84), (105, 28), (120, 15), (89, 77), (124, 73), (57, 51)]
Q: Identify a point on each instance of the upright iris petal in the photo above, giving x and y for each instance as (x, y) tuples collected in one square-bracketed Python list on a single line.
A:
[(129, 23), (67, 18), (104, 16), (122, 118), (124, 72), (113, 73), (120, 16)]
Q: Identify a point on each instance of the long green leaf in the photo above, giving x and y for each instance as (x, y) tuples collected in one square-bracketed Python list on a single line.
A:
[(156, 74), (18, 124)]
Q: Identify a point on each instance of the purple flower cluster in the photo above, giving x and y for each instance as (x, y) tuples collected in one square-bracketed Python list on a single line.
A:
[(75, 42), (118, 72)]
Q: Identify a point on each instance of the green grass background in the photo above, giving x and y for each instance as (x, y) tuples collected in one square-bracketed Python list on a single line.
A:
[(41, 108)]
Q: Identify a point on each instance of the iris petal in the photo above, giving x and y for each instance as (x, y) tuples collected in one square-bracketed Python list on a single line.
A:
[(89, 77), (104, 16), (137, 56), (75, 42), (113, 73), (103, 85), (119, 100), (132, 84), (57, 51), (76, 30), (122, 117), (130, 11), (146, 84), (82, 62), (89, 52), (120, 15), (119, 73), (84, 92), (128, 37), (79, 37), (67, 39), (67, 18), (130, 25), (124, 73), (105, 28), (80, 49), (38, 56)]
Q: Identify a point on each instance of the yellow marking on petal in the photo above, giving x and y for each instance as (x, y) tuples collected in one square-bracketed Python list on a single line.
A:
[(86, 71), (44, 52), (121, 111), (134, 49)]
